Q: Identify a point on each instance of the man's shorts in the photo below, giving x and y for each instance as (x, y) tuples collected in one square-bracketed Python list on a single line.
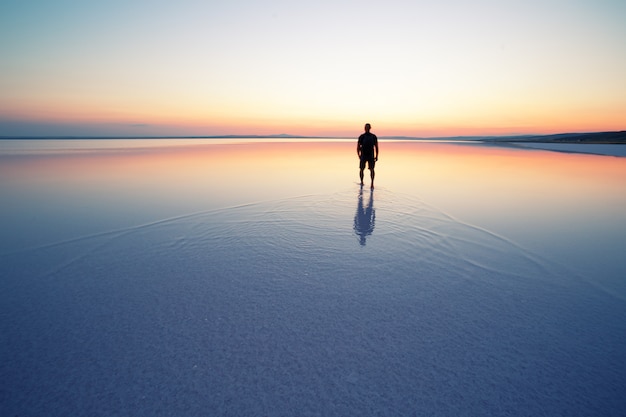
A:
[(370, 162)]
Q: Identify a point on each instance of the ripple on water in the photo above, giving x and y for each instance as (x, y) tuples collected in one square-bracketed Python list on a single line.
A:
[(368, 302)]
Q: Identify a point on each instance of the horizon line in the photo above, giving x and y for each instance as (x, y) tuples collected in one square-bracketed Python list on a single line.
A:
[(290, 136)]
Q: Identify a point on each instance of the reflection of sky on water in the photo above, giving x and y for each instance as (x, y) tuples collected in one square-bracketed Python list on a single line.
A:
[(566, 205), (57, 194), (239, 277), (569, 206)]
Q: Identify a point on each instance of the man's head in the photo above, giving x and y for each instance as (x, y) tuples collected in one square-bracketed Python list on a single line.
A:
[(367, 127)]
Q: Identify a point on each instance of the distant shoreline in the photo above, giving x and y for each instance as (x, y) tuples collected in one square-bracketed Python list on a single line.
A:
[(618, 137)]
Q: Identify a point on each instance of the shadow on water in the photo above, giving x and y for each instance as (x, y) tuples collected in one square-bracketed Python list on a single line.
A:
[(365, 217)]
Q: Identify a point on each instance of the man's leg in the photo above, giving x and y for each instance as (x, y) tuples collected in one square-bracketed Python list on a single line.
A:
[(361, 168), (372, 174)]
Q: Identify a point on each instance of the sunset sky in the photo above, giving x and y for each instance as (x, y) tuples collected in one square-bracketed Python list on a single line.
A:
[(324, 68)]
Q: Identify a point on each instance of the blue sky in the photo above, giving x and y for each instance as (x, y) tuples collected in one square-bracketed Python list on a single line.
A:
[(248, 67)]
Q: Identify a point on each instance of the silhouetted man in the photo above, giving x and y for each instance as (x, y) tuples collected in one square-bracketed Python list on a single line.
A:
[(367, 149)]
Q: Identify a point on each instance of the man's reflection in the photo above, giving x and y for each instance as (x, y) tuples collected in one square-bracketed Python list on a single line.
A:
[(365, 217)]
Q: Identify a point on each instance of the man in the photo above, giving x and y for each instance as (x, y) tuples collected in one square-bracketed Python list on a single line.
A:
[(367, 149)]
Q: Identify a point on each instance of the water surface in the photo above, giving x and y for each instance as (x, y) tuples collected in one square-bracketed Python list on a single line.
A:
[(258, 278)]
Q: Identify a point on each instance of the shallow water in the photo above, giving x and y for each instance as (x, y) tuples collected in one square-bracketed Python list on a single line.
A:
[(254, 278)]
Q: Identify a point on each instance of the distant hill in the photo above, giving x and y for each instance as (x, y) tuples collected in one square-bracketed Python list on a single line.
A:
[(599, 137)]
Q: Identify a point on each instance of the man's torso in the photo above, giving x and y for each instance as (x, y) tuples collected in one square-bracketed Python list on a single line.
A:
[(367, 142)]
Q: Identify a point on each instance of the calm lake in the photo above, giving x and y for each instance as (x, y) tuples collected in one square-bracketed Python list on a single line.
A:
[(256, 277)]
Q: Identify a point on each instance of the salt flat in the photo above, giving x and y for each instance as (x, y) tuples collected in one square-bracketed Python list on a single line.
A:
[(258, 278)]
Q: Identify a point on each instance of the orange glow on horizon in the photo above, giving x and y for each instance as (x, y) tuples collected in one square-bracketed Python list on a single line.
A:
[(176, 119), (170, 127), (224, 70)]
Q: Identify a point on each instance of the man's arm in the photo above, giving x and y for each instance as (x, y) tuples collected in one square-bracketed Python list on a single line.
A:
[(358, 147), (376, 147)]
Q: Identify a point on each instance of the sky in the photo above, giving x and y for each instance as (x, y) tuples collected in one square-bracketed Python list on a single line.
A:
[(324, 68)]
